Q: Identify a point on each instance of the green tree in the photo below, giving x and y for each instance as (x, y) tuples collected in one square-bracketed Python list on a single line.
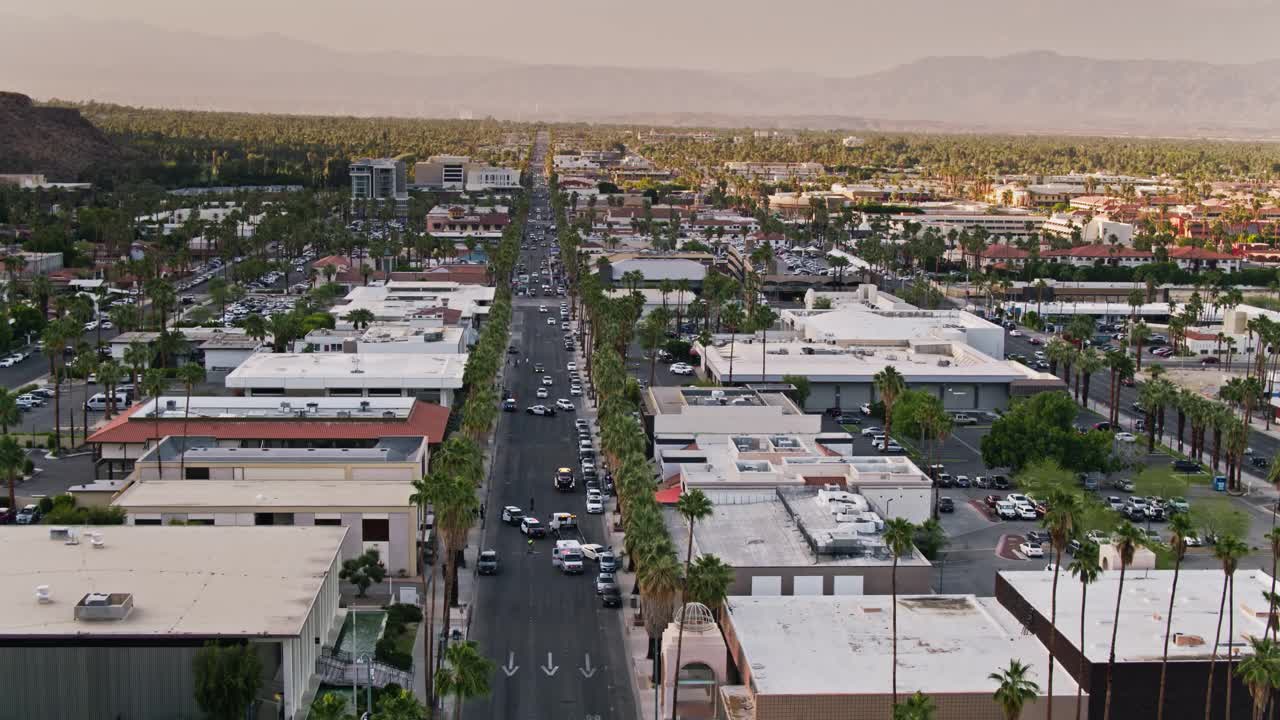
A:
[(1228, 550), (734, 319), (363, 571), (1260, 671), (153, 386), (360, 318), (189, 375), (762, 318), (465, 674), (13, 460), (1126, 540), (1064, 507), (693, 506), (329, 706), (1042, 426), (1180, 528), (916, 707), (110, 374), (227, 679), (652, 334), (1014, 689), (401, 705), (10, 415), (802, 388), (55, 335), (898, 534), (889, 385), (1085, 568), (708, 581)]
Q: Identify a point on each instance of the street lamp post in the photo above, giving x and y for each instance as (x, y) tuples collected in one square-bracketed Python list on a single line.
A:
[(888, 505)]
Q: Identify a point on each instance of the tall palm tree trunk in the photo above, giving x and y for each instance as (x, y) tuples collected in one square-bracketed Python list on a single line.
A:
[(732, 339), (1168, 629), (1213, 659), (1231, 634), (186, 418), (675, 684), (893, 587), (1053, 623), (1084, 596), (1111, 658)]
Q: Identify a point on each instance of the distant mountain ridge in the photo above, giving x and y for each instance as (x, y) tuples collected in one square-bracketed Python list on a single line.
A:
[(1026, 92), (57, 142)]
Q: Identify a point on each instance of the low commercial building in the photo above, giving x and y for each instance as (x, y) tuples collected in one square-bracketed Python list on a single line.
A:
[(420, 335), (802, 541), (458, 222), (130, 607), (225, 352), (458, 173), (832, 658), (233, 339), (776, 171), (263, 422), (751, 468), (657, 269), (420, 302), (1140, 633), (378, 513), (399, 459), (681, 411), (432, 377)]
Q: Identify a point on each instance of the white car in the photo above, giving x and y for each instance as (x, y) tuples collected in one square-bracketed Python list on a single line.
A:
[(1031, 550), (595, 505), (572, 367), (1026, 512), (542, 308), (872, 431), (681, 369), (546, 380), (865, 409), (542, 393), (1015, 333), (575, 390), (563, 404), (551, 321), (1125, 437), (7, 362)]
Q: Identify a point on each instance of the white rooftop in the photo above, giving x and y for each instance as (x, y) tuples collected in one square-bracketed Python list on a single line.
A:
[(319, 371), (1143, 608), (301, 494), (192, 581), (842, 644), (224, 407)]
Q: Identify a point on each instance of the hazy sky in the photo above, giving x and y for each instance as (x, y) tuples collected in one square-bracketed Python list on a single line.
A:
[(835, 37)]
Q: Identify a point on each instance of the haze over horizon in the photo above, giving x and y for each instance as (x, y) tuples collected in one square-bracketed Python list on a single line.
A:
[(835, 38)]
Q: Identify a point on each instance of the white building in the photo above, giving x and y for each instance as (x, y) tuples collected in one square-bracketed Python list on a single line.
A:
[(379, 179), (225, 352), (423, 302), (426, 376), (656, 270), (415, 336), (458, 173), (140, 602), (168, 221)]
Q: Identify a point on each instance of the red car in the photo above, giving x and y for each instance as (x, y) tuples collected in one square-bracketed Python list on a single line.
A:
[(991, 500), (1035, 341)]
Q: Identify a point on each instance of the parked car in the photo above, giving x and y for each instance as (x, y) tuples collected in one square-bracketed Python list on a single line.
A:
[(532, 527), (992, 500), (512, 515), (963, 419), (1186, 466), (1031, 550), (29, 515), (946, 505)]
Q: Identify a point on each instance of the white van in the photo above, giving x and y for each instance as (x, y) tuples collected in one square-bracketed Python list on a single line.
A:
[(98, 403), (567, 556)]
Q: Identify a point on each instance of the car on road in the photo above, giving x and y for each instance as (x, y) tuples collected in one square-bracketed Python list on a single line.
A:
[(1210, 360), (1258, 461), (1186, 466), (1015, 333), (604, 582), (1033, 340), (509, 405), (571, 367), (542, 393), (542, 410), (946, 505), (562, 404), (1125, 437), (1193, 540), (1000, 482), (29, 515), (595, 505), (488, 562), (513, 350), (532, 527), (611, 597), (963, 419), (1007, 510), (542, 308), (962, 481), (546, 381), (945, 480), (7, 362), (539, 368), (582, 424), (575, 390), (1031, 550), (871, 431), (551, 321), (681, 369), (512, 515)]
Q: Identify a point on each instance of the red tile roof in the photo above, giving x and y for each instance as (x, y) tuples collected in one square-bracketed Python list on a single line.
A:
[(669, 496), (1187, 252), (425, 420), (1098, 250), (1005, 252)]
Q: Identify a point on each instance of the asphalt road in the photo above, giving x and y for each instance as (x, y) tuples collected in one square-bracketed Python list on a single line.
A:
[(550, 627)]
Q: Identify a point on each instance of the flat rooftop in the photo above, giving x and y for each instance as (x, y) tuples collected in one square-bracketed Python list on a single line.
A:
[(772, 460), (842, 644), (766, 534), (203, 451), (666, 399), (185, 581), (222, 407), (1142, 611), (320, 371), (224, 494), (932, 361)]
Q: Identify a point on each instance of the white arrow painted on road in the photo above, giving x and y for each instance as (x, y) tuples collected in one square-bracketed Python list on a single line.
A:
[(550, 668), (587, 671), (511, 667)]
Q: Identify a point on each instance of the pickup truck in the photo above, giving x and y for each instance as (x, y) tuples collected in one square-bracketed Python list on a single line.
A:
[(562, 521)]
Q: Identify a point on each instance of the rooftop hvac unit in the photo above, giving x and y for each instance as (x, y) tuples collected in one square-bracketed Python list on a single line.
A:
[(170, 404), (344, 413), (944, 363), (286, 408), (42, 595), (388, 415), (364, 406)]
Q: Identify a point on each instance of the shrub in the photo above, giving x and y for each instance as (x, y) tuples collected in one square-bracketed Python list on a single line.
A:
[(46, 504), (49, 443), (401, 613), (28, 467), (385, 651)]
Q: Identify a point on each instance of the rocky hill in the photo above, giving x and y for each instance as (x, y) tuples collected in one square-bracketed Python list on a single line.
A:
[(55, 141)]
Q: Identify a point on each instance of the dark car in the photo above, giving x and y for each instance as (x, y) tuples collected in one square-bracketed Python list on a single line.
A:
[(611, 597), (1186, 466), (1000, 482), (512, 349), (488, 562), (991, 500), (1211, 360), (1038, 536), (946, 505), (1258, 461), (509, 405)]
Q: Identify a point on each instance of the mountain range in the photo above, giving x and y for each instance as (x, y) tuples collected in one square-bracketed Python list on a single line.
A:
[(137, 64)]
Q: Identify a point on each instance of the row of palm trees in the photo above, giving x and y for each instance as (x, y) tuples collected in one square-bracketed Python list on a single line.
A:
[(664, 583)]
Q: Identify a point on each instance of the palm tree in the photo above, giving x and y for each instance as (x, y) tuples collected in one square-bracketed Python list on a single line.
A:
[(1060, 520), (889, 384), (659, 578), (110, 374), (465, 674), (13, 461), (360, 317), (1139, 334), (1228, 550), (153, 385), (917, 707), (898, 536), (255, 326), (54, 336), (733, 317), (1126, 539), (693, 506), (456, 471), (9, 413), (762, 318), (1015, 689), (1089, 363), (1084, 567), (1180, 528), (707, 581), (189, 375), (137, 355), (1273, 538), (1261, 672)]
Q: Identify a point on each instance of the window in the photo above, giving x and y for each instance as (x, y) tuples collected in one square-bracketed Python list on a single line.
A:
[(264, 518), (200, 521), (197, 473), (328, 521), (146, 521), (375, 530)]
